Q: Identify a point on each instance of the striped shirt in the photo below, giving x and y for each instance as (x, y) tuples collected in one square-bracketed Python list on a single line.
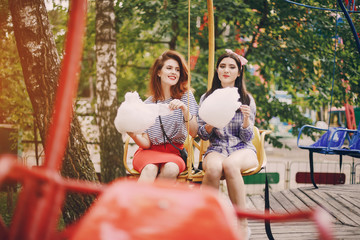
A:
[(174, 125), (232, 137)]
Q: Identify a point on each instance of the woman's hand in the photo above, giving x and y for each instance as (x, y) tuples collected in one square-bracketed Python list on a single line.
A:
[(131, 134), (208, 128), (176, 104), (245, 109), (142, 140), (189, 119)]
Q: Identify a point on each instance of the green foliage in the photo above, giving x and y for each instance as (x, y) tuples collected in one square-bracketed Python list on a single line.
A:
[(8, 199), (146, 29), (293, 47), (58, 17), (15, 107), (88, 64), (4, 18)]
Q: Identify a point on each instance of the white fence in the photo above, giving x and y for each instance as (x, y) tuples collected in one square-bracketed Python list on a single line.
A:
[(287, 174)]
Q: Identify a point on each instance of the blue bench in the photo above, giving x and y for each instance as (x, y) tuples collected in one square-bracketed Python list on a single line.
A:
[(353, 150), (331, 140)]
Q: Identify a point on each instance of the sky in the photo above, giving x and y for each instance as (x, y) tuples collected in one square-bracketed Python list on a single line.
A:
[(49, 3)]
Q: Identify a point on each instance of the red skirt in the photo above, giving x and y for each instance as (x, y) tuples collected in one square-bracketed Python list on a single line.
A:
[(158, 155)]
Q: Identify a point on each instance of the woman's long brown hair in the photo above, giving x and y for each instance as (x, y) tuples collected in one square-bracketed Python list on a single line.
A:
[(155, 82), (239, 82)]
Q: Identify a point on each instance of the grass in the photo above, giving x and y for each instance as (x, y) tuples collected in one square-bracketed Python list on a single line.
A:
[(6, 210)]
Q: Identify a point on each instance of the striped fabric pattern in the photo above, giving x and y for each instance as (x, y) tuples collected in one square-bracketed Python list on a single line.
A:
[(174, 125)]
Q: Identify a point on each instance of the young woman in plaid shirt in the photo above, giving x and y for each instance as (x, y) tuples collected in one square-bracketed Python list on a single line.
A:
[(231, 150)]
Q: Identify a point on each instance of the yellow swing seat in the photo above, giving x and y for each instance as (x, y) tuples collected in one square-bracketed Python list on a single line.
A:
[(259, 143)]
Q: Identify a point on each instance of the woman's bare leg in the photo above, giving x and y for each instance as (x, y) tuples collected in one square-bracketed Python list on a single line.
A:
[(213, 169), (148, 173), (169, 171), (233, 166)]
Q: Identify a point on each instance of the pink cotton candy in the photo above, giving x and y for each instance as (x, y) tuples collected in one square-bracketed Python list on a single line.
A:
[(135, 116), (220, 107)]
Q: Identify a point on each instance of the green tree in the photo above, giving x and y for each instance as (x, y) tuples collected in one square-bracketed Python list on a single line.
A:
[(111, 144), (40, 63), (146, 29), (296, 52), (15, 107), (293, 47)]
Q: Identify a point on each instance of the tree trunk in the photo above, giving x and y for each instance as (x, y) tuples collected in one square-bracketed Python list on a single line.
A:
[(111, 144), (41, 64)]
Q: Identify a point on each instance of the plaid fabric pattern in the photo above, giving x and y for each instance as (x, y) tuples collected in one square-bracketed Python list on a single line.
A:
[(232, 137)]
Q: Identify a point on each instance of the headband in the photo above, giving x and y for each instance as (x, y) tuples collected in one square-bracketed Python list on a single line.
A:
[(241, 58)]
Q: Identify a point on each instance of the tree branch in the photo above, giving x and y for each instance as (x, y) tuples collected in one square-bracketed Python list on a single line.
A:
[(259, 26)]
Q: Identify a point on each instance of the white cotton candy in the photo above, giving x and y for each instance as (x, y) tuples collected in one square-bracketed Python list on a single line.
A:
[(135, 116), (220, 107)]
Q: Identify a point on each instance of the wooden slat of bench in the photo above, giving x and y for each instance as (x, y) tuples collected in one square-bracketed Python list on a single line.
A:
[(275, 205), (349, 202), (287, 230), (343, 197), (337, 207), (304, 198), (285, 202), (352, 189), (298, 203), (355, 211), (258, 202), (250, 205), (352, 195), (324, 202), (300, 230)]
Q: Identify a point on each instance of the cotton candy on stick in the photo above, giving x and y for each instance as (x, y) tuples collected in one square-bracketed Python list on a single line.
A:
[(220, 107), (135, 116)]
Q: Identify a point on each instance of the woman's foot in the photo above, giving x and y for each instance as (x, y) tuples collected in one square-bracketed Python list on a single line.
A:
[(244, 229)]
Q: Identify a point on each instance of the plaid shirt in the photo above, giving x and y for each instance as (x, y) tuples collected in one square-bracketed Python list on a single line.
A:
[(232, 137)]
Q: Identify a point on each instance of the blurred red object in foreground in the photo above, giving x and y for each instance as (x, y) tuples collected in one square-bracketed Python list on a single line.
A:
[(130, 210)]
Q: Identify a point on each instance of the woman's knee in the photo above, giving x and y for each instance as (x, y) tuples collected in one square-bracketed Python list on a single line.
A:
[(214, 172), (170, 170), (213, 166), (150, 169), (230, 168), (240, 161)]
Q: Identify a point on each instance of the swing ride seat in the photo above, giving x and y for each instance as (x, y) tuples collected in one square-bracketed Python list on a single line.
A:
[(353, 150), (332, 139), (259, 143), (183, 177)]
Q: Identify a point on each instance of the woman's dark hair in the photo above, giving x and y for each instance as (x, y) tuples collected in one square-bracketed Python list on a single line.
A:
[(155, 82), (239, 81)]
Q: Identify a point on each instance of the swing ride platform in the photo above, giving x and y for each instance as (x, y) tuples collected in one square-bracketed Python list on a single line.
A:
[(342, 202), (44, 190)]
